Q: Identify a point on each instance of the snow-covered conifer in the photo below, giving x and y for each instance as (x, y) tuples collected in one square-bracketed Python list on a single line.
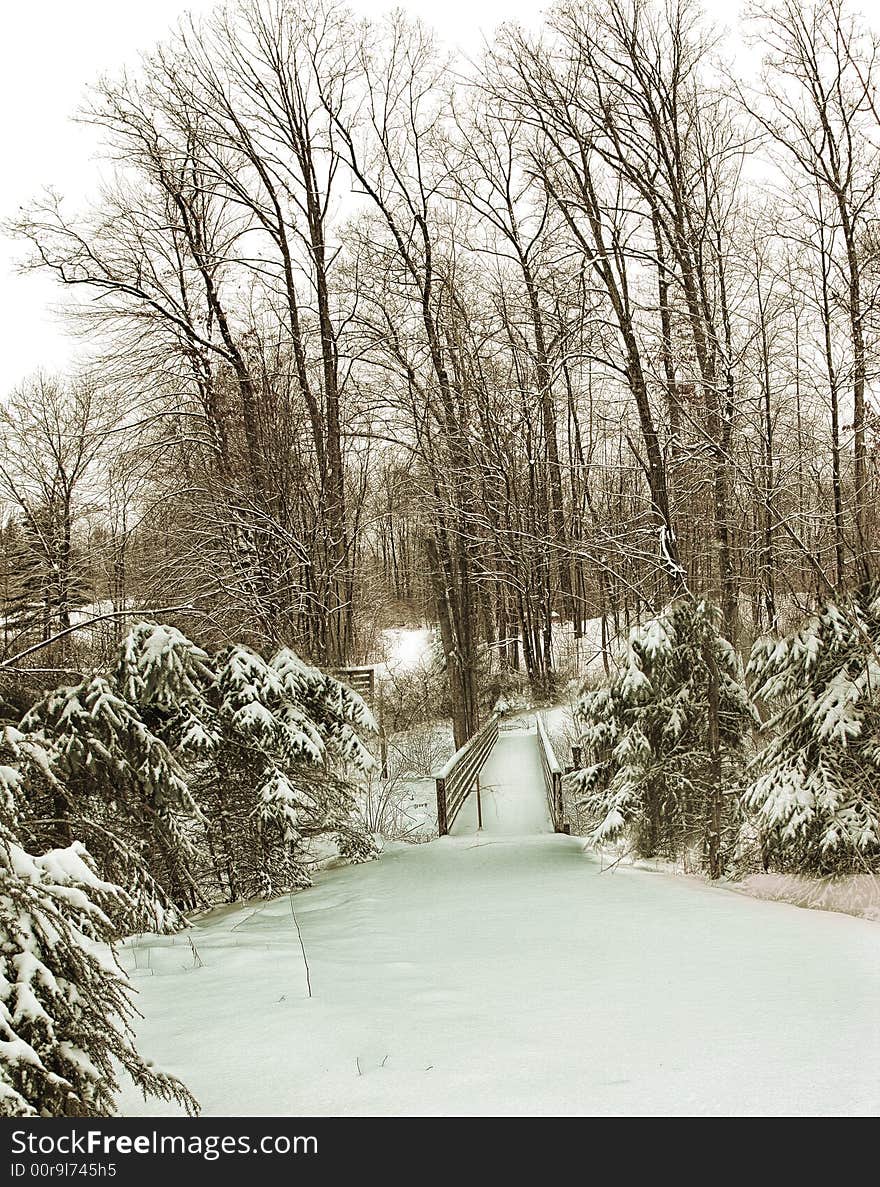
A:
[(193, 776), (270, 778), (121, 788), (65, 1004), (165, 675), (816, 793), (338, 712), (265, 747), (651, 771)]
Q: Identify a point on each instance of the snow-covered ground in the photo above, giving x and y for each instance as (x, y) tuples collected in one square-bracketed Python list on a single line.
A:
[(506, 974), (858, 894), (583, 656), (406, 647)]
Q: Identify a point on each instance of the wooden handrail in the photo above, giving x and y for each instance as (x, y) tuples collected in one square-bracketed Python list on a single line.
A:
[(552, 769), (455, 781)]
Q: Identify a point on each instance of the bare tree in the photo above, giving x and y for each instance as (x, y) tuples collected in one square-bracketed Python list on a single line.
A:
[(818, 102), (52, 436)]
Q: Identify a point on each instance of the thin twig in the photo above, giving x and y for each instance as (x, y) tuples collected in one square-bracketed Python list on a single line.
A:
[(302, 946), (86, 623)]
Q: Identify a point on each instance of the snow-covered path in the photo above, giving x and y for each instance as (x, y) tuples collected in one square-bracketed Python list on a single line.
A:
[(502, 975), (512, 792)]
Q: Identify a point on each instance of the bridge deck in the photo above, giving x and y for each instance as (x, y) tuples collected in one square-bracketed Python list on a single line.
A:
[(512, 793)]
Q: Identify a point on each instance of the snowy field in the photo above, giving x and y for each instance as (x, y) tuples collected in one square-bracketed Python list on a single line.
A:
[(506, 974)]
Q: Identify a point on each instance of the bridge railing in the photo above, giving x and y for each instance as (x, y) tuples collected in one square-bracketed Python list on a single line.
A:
[(553, 773), (458, 778)]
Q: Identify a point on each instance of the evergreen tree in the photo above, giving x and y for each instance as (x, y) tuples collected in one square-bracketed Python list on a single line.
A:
[(266, 746), (118, 784), (654, 772), (193, 778), (816, 794), (65, 1004), (167, 676), (271, 784)]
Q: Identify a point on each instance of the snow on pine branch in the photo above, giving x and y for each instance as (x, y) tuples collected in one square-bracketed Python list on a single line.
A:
[(65, 1005), (816, 783)]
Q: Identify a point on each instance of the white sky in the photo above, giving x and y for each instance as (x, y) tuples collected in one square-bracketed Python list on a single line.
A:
[(50, 50)]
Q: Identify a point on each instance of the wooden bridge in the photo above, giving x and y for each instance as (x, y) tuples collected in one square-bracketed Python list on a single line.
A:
[(505, 779)]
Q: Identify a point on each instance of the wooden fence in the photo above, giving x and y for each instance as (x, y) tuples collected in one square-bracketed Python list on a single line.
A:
[(361, 680), (461, 775)]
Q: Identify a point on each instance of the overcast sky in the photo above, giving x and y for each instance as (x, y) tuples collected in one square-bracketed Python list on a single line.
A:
[(50, 50)]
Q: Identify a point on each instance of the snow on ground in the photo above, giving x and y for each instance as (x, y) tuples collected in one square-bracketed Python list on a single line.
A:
[(91, 610), (407, 647), (583, 656), (858, 894), (506, 974)]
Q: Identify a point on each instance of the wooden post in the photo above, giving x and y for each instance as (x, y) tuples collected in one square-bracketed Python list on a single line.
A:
[(383, 739), (479, 807), (442, 828), (383, 751)]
